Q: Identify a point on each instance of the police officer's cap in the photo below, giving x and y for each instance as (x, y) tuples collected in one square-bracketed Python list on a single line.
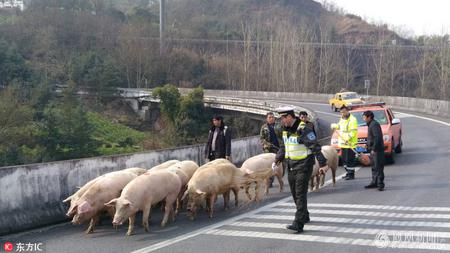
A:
[(285, 110)]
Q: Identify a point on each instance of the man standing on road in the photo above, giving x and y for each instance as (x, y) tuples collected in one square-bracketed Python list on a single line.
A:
[(303, 115), (375, 146), (347, 139), (268, 138), (298, 148), (219, 140)]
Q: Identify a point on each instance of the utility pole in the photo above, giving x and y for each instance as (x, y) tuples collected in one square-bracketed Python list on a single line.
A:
[(162, 26)]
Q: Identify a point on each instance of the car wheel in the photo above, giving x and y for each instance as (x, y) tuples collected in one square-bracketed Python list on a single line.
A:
[(389, 159), (398, 149)]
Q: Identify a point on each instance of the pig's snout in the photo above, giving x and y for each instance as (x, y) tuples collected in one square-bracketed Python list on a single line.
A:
[(117, 221)]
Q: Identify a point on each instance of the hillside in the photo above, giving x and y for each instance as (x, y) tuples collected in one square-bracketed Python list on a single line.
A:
[(216, 19)]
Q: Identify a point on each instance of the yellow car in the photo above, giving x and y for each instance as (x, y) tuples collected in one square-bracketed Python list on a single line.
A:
[(345, 98)]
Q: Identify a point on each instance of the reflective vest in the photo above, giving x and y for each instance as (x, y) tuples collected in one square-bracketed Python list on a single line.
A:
[(348, 132), (294, 150)]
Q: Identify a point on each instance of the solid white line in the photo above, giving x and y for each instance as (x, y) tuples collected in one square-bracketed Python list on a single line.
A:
[(219, 224), (426, 118), (360, 221), (327, 239), (350, 230), (381, 207), (365, 213)]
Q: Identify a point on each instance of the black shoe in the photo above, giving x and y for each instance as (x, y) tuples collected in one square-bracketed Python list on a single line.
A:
[(381, 189), (345, 177), (370, 186), (296, 228), (308, 220), (351, 176)]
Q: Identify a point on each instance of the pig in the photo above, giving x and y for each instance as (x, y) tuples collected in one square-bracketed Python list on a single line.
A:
[(211, 180), (164, 165), (259, 168), (143, 192), (74, 197), (91, 204), (184, 170), (332, 161)]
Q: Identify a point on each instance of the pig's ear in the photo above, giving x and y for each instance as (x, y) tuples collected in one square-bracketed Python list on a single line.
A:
[(126, 203), (84, 207), (68, 199), (200, 192), (111, 203), (72, 211)]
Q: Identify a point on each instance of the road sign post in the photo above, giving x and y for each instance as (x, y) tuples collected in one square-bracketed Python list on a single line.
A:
[(367, 86)]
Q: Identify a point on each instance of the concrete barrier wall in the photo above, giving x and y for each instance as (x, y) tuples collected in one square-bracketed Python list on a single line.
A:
[(31, 195)]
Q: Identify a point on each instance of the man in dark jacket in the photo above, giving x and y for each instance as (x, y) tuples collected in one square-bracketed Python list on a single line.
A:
[(303, 115), (219, 140), (267, 135), (268, 138), (375, 145), (298, 148)]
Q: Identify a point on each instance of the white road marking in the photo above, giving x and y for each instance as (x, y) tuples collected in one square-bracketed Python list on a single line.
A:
[(349, 230), (380, 207), (359, 221), (421, 117), (326, 239), (366, 213)]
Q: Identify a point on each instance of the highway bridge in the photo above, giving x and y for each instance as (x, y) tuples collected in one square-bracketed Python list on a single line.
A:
[(411, 215)]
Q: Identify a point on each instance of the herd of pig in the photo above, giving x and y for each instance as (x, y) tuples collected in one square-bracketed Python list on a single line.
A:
[(122, 194)]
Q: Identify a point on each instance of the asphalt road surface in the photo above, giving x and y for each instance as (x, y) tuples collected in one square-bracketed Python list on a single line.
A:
[(411, 215)]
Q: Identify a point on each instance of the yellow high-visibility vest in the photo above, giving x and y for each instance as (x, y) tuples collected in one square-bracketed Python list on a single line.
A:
[(294, 150), (348, 132)]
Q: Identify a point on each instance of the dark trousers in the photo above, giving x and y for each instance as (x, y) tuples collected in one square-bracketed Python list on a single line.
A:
[(298, 182), (377, 168), (348, 158), (213, 156)]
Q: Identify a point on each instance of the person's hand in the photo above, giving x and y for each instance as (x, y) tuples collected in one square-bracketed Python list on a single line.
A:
[(323, 170), (334, 126)]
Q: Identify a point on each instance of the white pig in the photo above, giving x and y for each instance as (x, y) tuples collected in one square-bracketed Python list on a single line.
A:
[(74, 197), (259, 168), (209, 181), (184, 170), (164, 165), (143, 192), (332, 161), (90, 205)]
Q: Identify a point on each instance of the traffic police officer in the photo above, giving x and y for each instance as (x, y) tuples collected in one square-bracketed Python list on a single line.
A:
[(298, 148), (347, 140)]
